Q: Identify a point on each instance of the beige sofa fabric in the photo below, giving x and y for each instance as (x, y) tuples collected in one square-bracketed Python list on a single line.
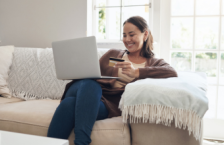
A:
[(158, 134), (6, 55), (110, 131), (34, 117), (30, 117), (11, 100)]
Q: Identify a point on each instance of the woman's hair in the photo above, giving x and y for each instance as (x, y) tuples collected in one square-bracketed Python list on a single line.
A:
[(141, 23)]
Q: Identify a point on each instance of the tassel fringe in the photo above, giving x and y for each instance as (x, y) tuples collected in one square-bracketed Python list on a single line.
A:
[(26, 96), (159, 114)]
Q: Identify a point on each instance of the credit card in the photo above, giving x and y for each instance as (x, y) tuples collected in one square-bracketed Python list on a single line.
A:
[(113, 61)]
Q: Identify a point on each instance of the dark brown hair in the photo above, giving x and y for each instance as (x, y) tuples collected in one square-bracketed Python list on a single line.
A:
[(141, 23)]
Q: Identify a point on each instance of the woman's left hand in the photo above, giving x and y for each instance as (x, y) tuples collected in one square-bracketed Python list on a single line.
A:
[(128, 69)]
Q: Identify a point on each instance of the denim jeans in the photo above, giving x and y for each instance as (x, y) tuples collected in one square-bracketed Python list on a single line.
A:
[(80, 108)]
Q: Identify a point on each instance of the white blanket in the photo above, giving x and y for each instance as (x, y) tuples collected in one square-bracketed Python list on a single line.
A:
[(162, 101)]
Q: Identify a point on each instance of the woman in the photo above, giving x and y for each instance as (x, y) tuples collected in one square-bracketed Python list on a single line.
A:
[(85, 101)]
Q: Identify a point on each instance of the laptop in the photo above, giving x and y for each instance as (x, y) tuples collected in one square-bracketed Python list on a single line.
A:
[(77, 59)]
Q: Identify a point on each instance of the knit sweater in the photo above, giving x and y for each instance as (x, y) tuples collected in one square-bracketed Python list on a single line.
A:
[(154, 68)]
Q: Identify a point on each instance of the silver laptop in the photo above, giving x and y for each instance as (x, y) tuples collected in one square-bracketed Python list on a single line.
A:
[(77, 59)]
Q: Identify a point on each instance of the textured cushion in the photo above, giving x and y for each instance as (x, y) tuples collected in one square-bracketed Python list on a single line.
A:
[(34, 117), (4, 90), (33, 76), (101, 52), (6, 55)]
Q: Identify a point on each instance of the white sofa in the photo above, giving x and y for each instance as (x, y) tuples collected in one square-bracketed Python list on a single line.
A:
[(34, 116)]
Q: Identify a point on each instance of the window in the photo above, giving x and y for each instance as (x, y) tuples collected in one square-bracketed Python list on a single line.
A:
[(109, 15), (193, 40)]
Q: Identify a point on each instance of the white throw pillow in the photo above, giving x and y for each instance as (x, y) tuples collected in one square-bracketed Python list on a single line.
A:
[(102, 51), (33, 75), (6, 55), (4, 90)]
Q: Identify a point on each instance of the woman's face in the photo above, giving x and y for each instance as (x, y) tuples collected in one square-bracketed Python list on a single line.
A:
[(133, 38)]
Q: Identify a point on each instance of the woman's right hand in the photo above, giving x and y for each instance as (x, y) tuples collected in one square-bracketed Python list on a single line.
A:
[(128, 69)]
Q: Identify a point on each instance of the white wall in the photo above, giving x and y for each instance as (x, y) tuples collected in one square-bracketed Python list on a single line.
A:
[(36, 23)]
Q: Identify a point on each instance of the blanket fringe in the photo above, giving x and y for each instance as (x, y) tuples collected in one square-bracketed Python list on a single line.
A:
[(26, 96), (159, 114)]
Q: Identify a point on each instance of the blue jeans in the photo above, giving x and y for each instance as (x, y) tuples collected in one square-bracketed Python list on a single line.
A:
[(81, 107)]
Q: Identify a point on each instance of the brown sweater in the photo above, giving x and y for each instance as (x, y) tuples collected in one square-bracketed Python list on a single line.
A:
[(154, 68)]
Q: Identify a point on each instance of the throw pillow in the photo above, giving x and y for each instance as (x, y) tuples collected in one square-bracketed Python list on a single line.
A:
[(33, 75), (4, 90), (6, 55)]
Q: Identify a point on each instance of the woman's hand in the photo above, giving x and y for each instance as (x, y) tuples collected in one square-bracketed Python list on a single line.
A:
[(128, 69)]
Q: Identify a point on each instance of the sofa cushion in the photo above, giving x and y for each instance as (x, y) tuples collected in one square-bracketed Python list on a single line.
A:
[(32, 75), (34, 117), (6, 55), (158, 134), (9, 100)]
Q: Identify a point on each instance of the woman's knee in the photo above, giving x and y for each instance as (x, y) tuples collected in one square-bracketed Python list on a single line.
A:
[(84, 88), (89, 89), (67, 104), (90, 83)]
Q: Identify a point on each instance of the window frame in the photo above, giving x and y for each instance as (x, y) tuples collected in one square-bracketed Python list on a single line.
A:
[(211, 127), (154, 21)]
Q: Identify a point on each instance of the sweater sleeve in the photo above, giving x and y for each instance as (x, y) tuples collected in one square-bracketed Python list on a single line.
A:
[(157, 69), (105, 69)]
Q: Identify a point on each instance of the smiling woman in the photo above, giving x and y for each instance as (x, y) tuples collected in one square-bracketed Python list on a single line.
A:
[(137, 36), (85, 101)]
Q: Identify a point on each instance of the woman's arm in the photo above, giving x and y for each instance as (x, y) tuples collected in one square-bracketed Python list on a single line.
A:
[(158, 69)]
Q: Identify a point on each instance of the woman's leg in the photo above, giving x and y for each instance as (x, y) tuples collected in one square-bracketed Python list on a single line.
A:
[(86, 111), (62, 122), (80, 108)]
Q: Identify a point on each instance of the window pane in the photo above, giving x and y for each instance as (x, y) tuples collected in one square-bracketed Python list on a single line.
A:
[(222, 7), (134, 11), (206, 62), (181, 61), (101, 3), (135, 2), (221, 77), (211, 95), (222, 33), (182, 33), (221, 103), (207, 33), (101, 27), (182, 7), (113, 23), (108, 28), (207, 7)]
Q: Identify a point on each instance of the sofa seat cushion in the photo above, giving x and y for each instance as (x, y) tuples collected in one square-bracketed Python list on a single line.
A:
[(30, 117), (34, 117), (9, 100)]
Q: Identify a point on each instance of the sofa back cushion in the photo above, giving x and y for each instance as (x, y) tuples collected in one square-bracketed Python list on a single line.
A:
[(6, 55), (33, 76)]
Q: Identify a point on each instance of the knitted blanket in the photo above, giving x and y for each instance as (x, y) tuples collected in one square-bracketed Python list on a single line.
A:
[(181, 99)]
